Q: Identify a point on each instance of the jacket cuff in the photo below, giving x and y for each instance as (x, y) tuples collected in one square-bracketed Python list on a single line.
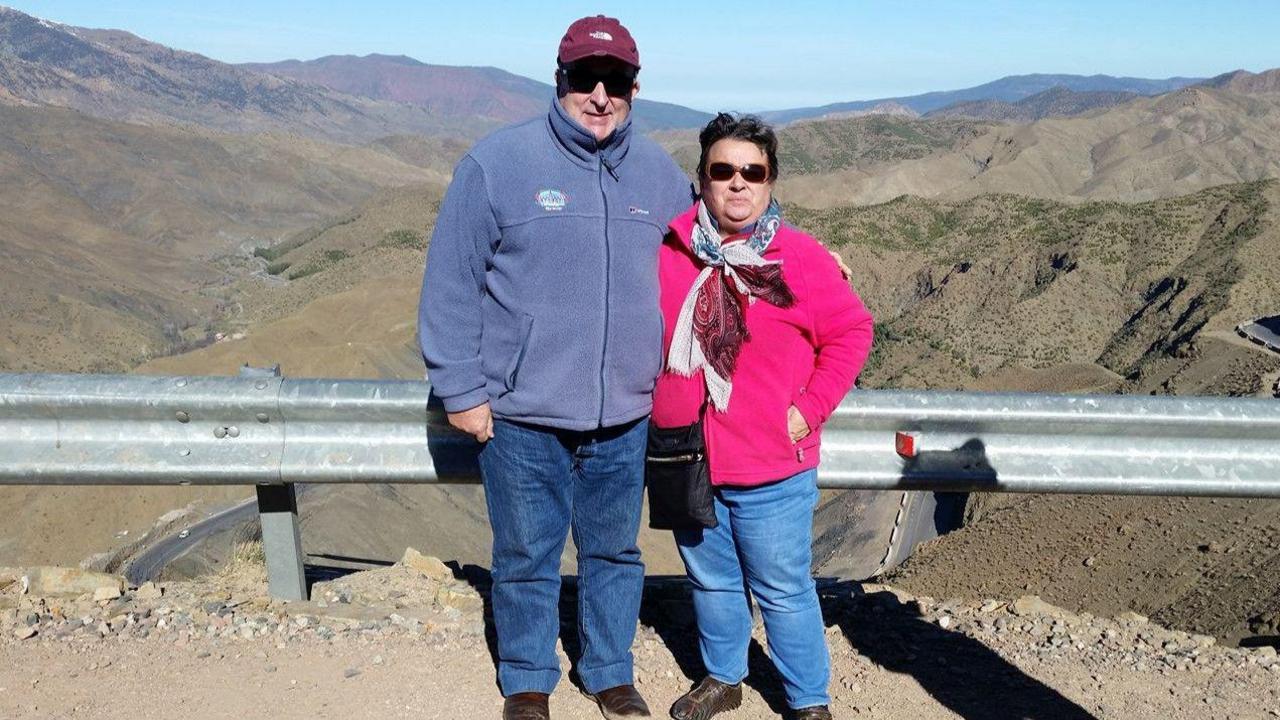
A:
[(807, 404), (465, 401)]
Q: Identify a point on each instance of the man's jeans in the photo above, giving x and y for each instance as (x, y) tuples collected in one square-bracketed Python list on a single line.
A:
[(762, 543), (539, 484)]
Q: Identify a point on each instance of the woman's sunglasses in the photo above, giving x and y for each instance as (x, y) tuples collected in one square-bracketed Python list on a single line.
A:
[(582, 80), (753, 173)]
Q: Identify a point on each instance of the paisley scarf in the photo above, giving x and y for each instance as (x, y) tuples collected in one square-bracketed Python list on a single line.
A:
[(712, 325)]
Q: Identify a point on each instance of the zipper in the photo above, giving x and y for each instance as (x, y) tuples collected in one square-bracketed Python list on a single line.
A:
[(688, 457), (800, 450), (604, 346)]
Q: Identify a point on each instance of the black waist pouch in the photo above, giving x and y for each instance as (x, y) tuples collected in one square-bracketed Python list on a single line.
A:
[(678, 479)]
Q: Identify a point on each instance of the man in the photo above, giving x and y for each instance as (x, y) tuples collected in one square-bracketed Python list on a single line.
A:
[(540, 326)]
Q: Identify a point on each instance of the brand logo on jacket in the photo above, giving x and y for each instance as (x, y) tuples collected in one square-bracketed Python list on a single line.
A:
[(551, 200), (637, 211)]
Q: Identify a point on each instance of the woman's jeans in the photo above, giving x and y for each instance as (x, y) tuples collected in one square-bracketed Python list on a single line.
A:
[(763, 544), (539, 484)]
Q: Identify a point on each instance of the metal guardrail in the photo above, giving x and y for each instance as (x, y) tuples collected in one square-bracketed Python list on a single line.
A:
[(271, 432), (1262, 331)]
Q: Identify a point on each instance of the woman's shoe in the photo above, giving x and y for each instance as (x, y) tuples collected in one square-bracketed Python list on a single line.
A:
[(706, 699), (817, 712)]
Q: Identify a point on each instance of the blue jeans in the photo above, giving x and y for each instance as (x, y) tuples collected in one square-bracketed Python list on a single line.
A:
[(540, 484), (762, 545)]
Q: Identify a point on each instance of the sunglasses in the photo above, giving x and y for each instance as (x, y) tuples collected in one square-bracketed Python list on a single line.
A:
[(582, 80), (753, 173)]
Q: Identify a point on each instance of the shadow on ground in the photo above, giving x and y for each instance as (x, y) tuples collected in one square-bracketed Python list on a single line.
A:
[(959, 672)]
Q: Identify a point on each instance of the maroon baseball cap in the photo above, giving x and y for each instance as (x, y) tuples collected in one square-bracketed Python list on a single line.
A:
[(598, 36)]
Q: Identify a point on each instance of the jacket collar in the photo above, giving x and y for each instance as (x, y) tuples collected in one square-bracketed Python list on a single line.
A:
[(582, 146)]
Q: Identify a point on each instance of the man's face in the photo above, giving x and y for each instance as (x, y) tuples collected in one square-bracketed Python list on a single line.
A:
[(597, 93)]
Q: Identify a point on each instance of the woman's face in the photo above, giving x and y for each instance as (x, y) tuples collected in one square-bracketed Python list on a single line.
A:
[(734, 202)]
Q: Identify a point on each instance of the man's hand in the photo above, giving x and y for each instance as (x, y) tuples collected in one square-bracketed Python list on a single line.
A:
[(845, 270), (796, 424), (476, 422)]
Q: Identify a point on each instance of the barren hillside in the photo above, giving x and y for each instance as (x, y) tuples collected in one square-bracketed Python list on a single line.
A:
[(119, 228)]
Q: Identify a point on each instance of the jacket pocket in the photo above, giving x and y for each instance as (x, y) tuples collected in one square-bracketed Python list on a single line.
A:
[(512, 374), (805, 446)]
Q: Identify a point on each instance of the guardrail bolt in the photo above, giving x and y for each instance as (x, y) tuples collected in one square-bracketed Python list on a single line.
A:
[(219, 432), (263, 417), (233, 431), (183, 417), (180, 382), (261, 384), (184, 452)]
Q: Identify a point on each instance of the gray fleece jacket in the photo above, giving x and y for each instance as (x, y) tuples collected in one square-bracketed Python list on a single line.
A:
[(540, 294)]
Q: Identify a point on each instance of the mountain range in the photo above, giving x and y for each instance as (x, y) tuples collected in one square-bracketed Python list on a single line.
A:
[(1009, 89), (116, 75), (460, 93), (1151, 147), (1057, 101)]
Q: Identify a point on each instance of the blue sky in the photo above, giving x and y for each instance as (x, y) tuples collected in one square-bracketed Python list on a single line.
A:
[(732, 56)]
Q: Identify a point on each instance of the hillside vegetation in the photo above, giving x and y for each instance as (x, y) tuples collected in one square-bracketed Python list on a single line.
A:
[(965, 289)]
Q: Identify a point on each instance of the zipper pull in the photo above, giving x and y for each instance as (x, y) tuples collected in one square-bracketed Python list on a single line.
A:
[(799, 454)]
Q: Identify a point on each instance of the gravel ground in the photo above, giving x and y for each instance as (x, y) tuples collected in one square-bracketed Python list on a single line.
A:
[(412, 640)]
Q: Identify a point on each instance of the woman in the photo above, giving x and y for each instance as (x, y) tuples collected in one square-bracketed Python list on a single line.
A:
[(763, 338)]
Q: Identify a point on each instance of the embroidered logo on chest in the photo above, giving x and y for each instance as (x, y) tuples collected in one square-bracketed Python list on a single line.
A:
[(551, 200)]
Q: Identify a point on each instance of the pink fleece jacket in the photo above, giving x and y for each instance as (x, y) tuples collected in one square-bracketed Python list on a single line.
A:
[(808, 355)]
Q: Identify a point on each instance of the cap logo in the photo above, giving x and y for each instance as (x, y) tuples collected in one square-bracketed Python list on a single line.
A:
[(551, 200), (602, 35)]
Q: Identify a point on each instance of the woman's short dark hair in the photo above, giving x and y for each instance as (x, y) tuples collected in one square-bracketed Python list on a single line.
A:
[(744, 127)]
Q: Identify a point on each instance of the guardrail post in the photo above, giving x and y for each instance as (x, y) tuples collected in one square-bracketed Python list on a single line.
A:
[(282, 541), (281, 535)]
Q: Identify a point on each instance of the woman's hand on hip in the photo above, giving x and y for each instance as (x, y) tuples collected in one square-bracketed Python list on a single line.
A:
[(845, 270), (796, 424)]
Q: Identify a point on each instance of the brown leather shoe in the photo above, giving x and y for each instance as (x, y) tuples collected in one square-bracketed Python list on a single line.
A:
[(817, 712), (706, 699), (526, 706), (621, 703)]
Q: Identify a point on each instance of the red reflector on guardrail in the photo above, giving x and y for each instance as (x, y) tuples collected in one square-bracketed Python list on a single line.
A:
[(907, 444)]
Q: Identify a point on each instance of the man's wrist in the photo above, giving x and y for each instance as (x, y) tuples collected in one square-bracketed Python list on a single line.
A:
[(466, 401)]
